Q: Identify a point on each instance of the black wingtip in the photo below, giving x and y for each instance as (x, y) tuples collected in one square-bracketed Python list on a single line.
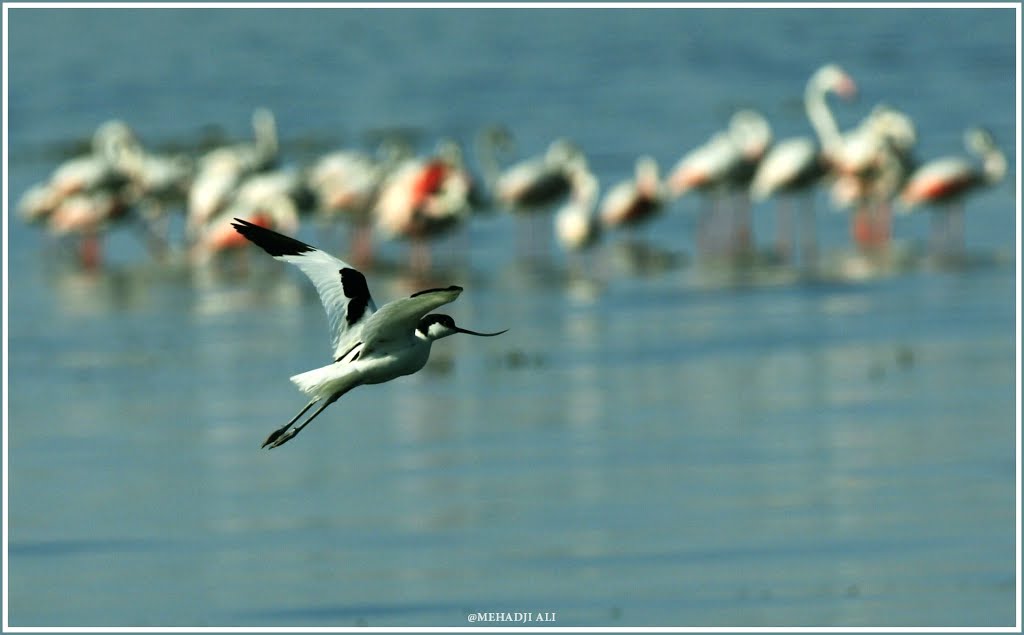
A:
[(353, 285), (270, 241)]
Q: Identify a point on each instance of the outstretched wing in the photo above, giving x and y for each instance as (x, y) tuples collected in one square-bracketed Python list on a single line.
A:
[(397, 320), (342, 289)]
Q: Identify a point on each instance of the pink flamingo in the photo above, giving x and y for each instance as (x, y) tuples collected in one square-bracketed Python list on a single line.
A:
[(277, 212), (945, 182), (84, 195), (96, 171), (272, 200), (86, 215), (424, 198)]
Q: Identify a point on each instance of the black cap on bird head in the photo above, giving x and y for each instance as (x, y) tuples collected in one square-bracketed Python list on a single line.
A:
[(438, 325)]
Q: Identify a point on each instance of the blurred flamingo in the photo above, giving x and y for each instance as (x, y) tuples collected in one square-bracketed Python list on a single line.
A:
[(576, 226), (259, 154), (424, 198), (722, 167), (272, 199), (945, 182), (86, 215), (536, 185), (635, 201), (346, 183), (540, 182), (96, 171), (873, 162), (795, 165), (157, 182), (220, 170), (85, 194)]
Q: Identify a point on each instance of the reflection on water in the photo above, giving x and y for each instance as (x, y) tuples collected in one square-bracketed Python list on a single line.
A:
[(771, 453)]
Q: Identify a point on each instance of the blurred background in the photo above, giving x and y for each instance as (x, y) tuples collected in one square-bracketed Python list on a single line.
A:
[(673, 432)]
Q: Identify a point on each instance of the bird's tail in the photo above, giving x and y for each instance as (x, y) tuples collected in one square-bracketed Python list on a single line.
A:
[(320, 381)]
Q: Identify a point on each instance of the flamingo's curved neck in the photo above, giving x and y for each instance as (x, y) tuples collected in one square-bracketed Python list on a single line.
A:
[(821, 117), (647, 179), (265, 130)]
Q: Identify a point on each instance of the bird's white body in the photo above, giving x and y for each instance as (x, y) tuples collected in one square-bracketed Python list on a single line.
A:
[(792, 164), (576, 225), (795, 165), (388, 361), (727, 158), (381, 347), (370, 345), (346, 182)]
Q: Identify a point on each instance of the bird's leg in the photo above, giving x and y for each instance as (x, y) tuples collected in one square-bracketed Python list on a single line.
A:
[(539, 237), (957, 246), (808, 234), (883, 221), (361, 244), (783, 229), (705, 214), (153, 226), (277, 433), (288, 435), (90, 251), (419, 255), (939, 237), (862, 227), (743, 228), (719, 211)]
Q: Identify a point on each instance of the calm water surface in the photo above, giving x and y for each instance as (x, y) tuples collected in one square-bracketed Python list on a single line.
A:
[(649, 444)]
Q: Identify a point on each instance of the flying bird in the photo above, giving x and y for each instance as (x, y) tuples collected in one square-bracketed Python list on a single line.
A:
[(370, 345)]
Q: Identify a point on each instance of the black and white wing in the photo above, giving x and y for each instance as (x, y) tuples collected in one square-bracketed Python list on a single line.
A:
[(397, 320), (342, 289)]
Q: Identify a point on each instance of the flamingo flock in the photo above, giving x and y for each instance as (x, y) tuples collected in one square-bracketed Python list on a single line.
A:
[(395, 195)]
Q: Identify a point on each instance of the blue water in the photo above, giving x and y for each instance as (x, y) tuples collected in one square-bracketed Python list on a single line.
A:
[(648, 445)]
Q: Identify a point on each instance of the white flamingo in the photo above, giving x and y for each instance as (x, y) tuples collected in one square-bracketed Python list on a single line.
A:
[(576, 225), (540, 182), (719, 168), (220, 170), (875, 160), (795, 165), (637, 200)]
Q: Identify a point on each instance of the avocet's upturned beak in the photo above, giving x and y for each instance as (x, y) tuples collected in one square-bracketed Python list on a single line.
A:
[(468, 332)]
